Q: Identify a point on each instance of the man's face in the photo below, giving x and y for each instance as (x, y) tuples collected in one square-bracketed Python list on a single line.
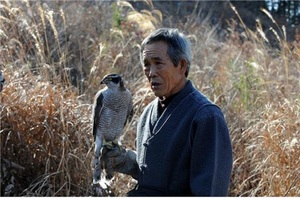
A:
[(165, 79)]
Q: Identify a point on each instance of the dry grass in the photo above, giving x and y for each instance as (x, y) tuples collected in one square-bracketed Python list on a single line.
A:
[(45, 129), (53, 61)]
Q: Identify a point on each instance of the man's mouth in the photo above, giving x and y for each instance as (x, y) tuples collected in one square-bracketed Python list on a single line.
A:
[(155, 85)]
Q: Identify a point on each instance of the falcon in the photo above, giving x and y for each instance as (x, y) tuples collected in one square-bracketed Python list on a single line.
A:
[(112, 108)]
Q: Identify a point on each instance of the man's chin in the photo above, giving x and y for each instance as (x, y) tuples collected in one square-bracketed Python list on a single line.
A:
[(157, 94)]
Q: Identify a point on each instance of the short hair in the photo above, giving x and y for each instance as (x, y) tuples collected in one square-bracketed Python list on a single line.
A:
[(179, 47)]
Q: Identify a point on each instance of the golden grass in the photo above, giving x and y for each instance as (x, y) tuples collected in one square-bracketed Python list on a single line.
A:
[(46, 141), (46, 130)]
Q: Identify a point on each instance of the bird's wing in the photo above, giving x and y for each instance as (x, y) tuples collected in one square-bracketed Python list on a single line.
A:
[(98, 104), (129, 110)]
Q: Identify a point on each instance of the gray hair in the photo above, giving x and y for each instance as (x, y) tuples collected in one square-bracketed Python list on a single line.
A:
[(179, 46)]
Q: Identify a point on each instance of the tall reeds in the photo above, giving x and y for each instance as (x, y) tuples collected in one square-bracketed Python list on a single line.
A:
[(54, 54)]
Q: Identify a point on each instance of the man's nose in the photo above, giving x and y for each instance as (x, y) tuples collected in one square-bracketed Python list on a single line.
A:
[(152, 71)]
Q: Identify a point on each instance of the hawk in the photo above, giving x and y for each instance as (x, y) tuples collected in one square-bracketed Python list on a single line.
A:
[(112, 108)]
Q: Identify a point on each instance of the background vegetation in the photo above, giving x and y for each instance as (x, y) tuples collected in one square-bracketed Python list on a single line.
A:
[(54, 54)]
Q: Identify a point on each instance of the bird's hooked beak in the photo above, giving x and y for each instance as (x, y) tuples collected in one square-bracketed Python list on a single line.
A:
[(103, 81)]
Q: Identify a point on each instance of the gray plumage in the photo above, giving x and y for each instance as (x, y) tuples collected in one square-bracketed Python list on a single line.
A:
[(112, 108)]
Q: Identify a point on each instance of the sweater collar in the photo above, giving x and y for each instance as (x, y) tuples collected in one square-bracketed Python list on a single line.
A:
[(159, 115), (186, 89)]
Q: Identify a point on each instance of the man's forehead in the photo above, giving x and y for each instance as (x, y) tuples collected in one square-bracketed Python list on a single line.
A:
[(155, 51), (156, 45), (152, 58)]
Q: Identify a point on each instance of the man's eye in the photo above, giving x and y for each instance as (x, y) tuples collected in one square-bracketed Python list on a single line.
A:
[(146, 68), (159, 65), (146, 65)]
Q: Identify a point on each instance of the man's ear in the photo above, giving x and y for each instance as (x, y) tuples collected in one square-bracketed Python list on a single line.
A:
[(183, 65)]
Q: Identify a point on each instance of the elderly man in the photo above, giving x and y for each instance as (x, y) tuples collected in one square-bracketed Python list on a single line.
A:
[(183, 144)]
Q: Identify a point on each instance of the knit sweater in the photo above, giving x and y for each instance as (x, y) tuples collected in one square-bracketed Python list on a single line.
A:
[(185, 151)]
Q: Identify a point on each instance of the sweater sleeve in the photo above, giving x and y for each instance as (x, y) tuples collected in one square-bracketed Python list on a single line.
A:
[(211, 159)]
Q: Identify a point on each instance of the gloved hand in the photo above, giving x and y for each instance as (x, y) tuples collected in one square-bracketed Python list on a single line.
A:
[(119, 159)]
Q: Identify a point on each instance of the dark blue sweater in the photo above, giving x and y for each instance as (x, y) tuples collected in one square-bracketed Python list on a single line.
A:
[(185, 151)]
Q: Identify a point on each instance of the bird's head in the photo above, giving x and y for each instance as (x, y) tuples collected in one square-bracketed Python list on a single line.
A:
[(113, 81)]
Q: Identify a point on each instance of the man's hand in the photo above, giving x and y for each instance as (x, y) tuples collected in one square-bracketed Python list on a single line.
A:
[(119, 159), (113, 157)]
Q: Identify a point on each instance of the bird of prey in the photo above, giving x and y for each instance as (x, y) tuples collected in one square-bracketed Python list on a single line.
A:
[(2, 80), (112, 108)]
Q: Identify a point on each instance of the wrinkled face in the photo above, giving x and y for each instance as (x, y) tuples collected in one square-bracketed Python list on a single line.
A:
[(165, 79)]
